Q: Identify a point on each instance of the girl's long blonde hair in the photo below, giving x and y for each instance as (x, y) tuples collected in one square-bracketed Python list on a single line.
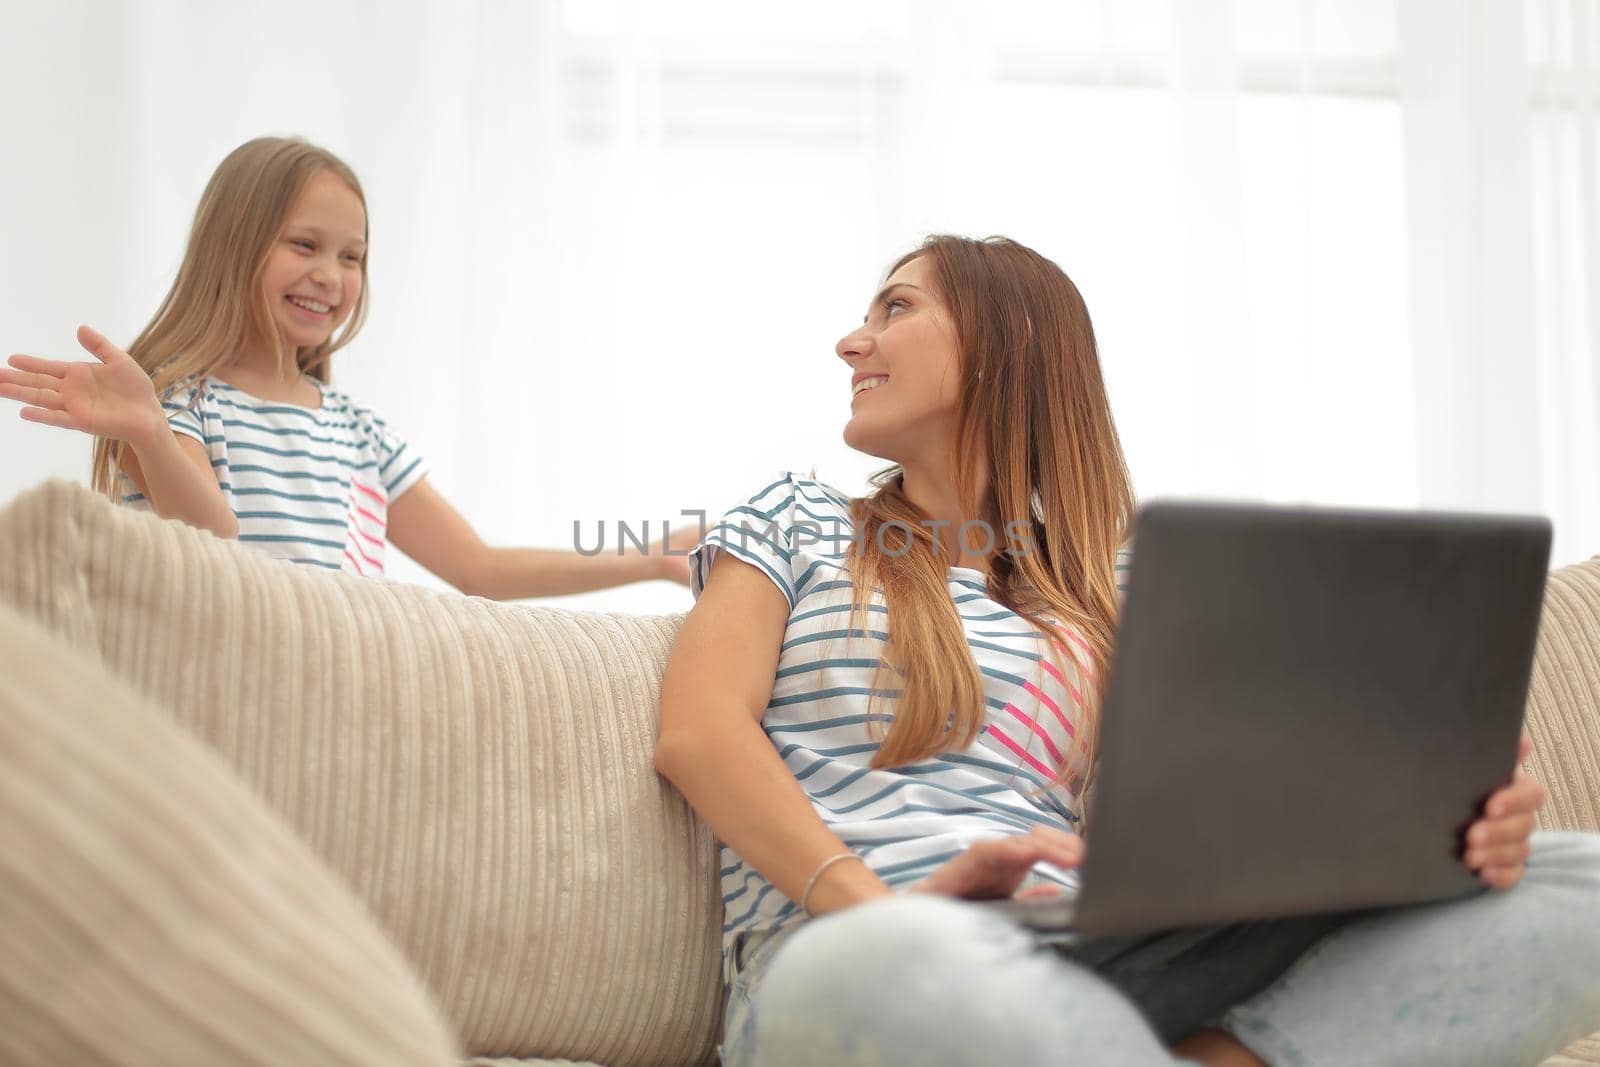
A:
[(1033, 405), (216, 305)]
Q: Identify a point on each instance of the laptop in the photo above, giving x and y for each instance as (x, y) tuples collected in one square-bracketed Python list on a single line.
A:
[(1306, 709)]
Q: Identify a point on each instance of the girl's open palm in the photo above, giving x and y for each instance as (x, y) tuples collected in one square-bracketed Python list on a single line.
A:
[(111, 397)]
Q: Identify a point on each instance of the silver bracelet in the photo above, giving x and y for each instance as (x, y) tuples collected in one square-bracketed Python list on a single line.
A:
[(805, 897)]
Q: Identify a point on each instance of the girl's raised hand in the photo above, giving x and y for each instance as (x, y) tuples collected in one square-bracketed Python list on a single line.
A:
[(111, 397)]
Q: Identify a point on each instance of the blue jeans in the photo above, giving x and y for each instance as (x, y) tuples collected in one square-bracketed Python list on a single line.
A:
[(1497, 980)]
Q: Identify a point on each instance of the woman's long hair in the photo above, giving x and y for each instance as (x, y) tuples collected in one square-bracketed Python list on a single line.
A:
[(1033, 405), (216, 306)]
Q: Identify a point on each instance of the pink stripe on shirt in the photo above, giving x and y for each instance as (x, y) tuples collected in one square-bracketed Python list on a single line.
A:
[(1020, 752), (1071, 634), (1049, 745), (1039, 695), (376, 496), (1056, 672), (355, 544)]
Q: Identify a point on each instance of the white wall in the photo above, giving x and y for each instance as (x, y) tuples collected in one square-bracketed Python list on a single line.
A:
[(613, 244)]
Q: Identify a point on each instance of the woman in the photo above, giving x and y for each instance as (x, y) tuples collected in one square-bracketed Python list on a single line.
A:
[(884, 705)]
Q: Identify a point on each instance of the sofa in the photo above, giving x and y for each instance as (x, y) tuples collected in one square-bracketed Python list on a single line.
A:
[(255, 813)]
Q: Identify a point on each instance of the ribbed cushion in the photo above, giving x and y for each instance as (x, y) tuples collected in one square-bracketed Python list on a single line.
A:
[(1564, 720), (1586, 1051), (1564, 699), (479, 773), (154, 911)]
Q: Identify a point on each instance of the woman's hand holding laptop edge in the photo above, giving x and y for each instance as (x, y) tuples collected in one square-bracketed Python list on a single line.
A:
[(1496, 846), (992, 870)]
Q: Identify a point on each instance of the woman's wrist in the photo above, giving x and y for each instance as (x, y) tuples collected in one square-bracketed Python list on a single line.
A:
[(841, 882)]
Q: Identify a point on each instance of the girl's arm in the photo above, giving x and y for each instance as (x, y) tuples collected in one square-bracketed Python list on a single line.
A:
[(424, 526), (717, 684), (174, 473), (114, 398)]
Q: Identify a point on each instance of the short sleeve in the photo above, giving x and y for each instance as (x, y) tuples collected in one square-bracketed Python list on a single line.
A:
[(181, 405), (182, 408), (399, 465), (760, 532)]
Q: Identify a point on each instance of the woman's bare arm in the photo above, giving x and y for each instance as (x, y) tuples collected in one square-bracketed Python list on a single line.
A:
[(717, 685)]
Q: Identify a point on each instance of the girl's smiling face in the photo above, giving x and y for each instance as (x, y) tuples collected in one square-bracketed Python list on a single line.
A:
[(314, 273), (906, 377)]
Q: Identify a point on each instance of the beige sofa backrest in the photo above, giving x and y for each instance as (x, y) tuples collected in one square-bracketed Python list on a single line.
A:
[(479, 773), (1564, 699)]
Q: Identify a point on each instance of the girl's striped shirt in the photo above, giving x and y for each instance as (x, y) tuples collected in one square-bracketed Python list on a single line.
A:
[(309, 485), (906, 821)]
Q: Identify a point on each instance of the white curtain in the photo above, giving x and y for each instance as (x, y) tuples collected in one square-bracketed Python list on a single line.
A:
[(1564, 171), (1340, 251)]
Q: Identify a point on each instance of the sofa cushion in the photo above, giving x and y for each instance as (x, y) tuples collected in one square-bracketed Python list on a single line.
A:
[(153, 911), (479, 773), (1564, 699)]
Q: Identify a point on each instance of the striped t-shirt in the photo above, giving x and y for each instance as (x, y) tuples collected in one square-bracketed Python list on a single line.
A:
[(309, 485), (906, 821)]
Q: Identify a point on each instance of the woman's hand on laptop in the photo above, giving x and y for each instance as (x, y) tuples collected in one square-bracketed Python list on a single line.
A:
[(1497, 844), (992, 870)]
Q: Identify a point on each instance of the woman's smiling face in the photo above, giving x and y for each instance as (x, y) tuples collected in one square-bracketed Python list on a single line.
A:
[(905, 369)]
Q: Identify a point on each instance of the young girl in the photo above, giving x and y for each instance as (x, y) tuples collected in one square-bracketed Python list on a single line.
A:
[(887, 704), (221, 414)]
